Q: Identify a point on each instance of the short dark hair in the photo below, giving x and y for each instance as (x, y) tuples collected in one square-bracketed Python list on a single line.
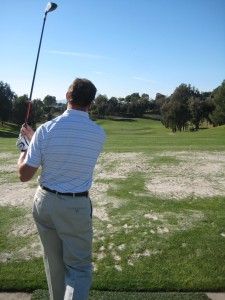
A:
[(81, 92)]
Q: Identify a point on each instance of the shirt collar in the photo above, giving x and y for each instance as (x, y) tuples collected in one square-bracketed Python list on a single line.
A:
[(77, 113)]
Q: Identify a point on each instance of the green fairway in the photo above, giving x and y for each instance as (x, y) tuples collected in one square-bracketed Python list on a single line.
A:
[(158, 201), (147, 136)]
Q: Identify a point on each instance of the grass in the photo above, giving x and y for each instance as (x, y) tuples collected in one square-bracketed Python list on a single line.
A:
[(178, 260), (133, 252), (96, 295), (149, 136), (25, 276), (10, 216)]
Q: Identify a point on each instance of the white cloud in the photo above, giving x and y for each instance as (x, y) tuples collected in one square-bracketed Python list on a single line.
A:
[(98, 72), (77, 54)]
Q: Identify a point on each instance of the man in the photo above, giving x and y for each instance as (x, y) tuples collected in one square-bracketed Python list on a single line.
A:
[(67, 149)]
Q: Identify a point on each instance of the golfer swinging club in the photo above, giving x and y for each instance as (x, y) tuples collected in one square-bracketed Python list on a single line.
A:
[(67, 149)]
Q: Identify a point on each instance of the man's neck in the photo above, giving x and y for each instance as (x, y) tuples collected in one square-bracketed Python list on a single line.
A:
[(77, 107)]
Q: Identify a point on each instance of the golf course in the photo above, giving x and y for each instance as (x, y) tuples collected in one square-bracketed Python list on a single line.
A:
[(158, 214)]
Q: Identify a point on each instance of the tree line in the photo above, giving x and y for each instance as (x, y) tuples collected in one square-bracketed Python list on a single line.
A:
[(185, 108)]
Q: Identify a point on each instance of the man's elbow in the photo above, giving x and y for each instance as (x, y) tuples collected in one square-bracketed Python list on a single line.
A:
[(26, 173), (23, 175), (24, 178)]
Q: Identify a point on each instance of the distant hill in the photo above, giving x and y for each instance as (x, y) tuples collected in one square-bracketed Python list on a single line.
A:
[(61, 101)]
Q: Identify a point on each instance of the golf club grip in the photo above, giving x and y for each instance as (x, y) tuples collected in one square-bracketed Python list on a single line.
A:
[(28, 112)]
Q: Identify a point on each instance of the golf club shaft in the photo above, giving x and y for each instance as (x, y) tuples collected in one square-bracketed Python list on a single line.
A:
[(50, 7), (35, 69)]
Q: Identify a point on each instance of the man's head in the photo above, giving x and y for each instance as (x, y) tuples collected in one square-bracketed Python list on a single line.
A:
[(81, 93)]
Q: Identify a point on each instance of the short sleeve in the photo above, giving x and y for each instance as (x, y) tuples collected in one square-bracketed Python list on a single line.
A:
[(34, 157)]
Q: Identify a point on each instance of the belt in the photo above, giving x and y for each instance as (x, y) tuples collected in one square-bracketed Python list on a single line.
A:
[(83, 194)]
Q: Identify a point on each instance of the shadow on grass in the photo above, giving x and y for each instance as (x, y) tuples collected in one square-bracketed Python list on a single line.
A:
[(8, 134), (9, 130), (121, 119)]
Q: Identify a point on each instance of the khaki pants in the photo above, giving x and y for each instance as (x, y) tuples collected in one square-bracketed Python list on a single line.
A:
[(65, 228)]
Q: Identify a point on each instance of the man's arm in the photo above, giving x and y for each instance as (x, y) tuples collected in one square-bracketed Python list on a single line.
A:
[(25, 172)]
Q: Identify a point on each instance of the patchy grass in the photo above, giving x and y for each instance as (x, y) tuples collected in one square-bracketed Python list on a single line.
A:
[(167, 244), (16, 239)]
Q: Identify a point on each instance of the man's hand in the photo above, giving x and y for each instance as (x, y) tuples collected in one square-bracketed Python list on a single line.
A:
[(26, 133), (25, 172), (22, 143)]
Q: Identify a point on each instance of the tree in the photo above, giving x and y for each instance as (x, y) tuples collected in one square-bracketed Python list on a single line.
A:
[(101, 104), (169, 111), (160, 99), (6, 98), (49, 103), (122, 106), (49, 100), (20, 109), (176, 114), (210, 106), (132, 98), (36, 112), (112, 106), (218, 96), (144, 103), (132, 108), (136, 105), (197, 108)]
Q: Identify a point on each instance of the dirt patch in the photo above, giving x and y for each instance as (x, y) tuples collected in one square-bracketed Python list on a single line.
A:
[(16, 194), (196, 174)]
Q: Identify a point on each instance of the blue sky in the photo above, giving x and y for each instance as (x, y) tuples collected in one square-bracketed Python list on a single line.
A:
[(123, 46)]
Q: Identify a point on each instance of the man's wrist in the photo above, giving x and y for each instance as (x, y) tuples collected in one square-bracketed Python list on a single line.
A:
[(22, 157)]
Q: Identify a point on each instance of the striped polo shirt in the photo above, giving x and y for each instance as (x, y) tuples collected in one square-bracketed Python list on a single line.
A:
[(67, 148)]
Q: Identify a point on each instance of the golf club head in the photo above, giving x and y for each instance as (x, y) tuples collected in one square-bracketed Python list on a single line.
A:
[(50, 7)]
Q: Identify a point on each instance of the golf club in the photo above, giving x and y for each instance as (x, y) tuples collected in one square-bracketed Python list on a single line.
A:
[(50, 7)]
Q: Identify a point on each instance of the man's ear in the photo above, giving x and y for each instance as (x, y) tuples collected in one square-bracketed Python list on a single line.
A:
[(67, 96)]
